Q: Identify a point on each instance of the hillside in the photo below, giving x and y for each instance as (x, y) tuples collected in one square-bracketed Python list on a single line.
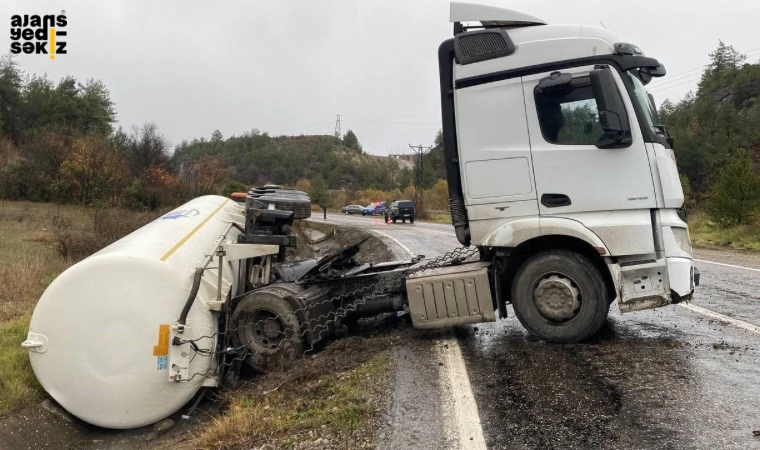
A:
[(257, 158), (722, 116)]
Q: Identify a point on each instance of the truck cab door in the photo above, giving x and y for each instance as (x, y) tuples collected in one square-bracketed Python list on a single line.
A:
[(610, 189), (494, 156)]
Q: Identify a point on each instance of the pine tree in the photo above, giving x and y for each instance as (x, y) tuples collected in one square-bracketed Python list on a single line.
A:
[(350, 140), (735, 196)]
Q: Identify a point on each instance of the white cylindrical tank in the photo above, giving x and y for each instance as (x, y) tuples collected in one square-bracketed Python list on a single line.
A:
[(98, 337)]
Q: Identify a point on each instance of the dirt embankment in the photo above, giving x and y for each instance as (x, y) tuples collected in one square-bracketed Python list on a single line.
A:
[(332, 399)]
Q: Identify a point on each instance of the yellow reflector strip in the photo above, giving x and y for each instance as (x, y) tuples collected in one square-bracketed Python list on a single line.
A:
[(191, 233)]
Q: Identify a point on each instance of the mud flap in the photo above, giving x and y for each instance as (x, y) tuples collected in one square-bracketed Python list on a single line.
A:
[(643, 286), (451, 295)]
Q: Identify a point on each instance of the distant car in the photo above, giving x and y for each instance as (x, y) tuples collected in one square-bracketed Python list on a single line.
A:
[(368, 210), (401, 209), (374, 209), (352, 209)]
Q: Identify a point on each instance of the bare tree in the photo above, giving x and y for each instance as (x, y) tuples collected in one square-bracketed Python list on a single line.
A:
[(146, 147), (49, 148)]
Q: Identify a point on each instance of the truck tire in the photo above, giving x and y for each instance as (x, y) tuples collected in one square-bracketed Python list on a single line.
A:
[(560, 296), (266, 323), (284, 200), (411, 220)]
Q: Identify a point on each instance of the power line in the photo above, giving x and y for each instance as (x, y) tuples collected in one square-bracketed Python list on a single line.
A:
[(692, 78), (665, 88), (391, 122), (366, 116), (687, 74), (676, 78)]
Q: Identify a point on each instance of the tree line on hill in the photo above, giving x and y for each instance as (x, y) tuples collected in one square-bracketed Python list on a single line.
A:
[(58, 143), (717, 138)]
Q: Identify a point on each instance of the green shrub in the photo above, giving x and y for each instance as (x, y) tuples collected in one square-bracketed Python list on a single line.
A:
[(735, 195), (233, 186), (688, 197), (144, 198)]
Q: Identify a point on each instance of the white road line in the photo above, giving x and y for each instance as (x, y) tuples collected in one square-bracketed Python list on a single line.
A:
[(406, 249), (459, 402), (736, 322), (727, 265), (435, 231)]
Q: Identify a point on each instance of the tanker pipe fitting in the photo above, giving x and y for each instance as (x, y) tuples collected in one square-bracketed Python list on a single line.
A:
[(197, 279)]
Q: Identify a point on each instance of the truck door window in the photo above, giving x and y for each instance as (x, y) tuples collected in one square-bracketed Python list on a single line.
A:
[(569, 118)]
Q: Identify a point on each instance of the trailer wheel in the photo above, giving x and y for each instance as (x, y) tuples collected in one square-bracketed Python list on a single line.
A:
[(560, 296), (266, 323)]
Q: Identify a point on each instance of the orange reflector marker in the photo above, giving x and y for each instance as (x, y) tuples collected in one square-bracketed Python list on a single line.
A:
[(601, 250), (162, 349)]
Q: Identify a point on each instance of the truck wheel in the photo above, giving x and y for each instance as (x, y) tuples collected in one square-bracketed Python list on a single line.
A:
[(403, 220), (560, 296), (283, 199), (267, 324), (394, 219), (411, 220)]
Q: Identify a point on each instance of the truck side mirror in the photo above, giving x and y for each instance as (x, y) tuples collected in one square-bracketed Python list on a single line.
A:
[(613, 116)]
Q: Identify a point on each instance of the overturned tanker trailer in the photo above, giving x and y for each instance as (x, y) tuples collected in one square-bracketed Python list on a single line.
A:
[(129, 335)]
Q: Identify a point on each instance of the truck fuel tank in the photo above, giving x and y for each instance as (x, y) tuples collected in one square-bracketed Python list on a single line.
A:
[(451, 295)]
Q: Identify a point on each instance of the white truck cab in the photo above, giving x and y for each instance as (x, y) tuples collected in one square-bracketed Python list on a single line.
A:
[(559, 170)]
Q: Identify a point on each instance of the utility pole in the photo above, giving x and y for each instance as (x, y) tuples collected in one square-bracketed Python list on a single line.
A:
[(419, 152), (337, 126)]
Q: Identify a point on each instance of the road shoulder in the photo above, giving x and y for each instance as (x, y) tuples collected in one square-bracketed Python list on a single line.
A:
[(732, 257)]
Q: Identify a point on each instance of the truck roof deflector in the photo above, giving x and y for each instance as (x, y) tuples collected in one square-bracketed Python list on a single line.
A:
[(491, 16)]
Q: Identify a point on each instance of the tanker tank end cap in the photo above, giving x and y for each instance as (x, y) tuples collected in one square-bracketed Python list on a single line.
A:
[(37, 343)]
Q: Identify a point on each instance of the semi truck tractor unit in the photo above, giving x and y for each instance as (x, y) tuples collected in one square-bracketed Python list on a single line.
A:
[(559, 170), (564, 194)]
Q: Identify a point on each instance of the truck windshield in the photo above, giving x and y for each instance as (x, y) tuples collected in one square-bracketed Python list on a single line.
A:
[(641, 96)]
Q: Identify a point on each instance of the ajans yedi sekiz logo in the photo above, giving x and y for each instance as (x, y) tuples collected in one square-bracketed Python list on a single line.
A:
[(41, 35)]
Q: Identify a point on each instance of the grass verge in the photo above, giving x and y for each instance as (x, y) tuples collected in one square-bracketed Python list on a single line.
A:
[(18, 386), (706, 233), (37, 243), (314, 406), (439, 217)]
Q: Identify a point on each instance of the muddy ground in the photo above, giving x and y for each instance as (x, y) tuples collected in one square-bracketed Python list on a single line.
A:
[(49, 426)]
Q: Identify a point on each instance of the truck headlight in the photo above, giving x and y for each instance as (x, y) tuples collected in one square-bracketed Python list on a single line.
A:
[(682, 238)]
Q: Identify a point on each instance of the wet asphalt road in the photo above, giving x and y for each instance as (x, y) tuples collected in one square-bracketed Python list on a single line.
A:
[(669, 378)]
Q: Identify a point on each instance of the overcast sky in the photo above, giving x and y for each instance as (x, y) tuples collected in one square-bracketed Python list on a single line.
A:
[(288, 67)]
